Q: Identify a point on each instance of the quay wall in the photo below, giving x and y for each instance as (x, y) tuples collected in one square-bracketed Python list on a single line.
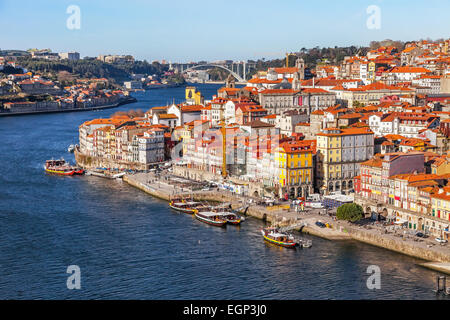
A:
[(338, 232), (399, 245), (91, 162), (216, 196), (152, 191)]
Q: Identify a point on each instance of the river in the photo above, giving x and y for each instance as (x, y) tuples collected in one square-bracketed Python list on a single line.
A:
[(129, 245)]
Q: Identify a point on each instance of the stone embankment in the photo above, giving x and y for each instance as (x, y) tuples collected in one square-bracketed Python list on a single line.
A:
[(282, 216), (91, 162)]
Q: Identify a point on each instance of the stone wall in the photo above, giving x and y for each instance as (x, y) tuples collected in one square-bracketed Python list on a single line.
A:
[(90, 162), (398, 246)]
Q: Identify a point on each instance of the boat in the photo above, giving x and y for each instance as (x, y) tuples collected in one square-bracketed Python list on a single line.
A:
[(231, 218), (184, 206), (306, 244), (61, 167), (273, 235), (71, 148), (212, 218)]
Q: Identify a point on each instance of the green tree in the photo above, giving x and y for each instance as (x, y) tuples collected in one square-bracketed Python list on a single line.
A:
[(350, 212)]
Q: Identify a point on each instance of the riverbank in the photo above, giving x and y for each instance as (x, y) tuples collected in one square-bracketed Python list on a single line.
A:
[(443, 267), (304, 221), (124, 101)]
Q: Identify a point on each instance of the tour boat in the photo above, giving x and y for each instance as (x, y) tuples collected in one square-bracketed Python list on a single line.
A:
[(184, 206), (279, 238), (231, 218), (71, 148), (61, 167), (212, 218)]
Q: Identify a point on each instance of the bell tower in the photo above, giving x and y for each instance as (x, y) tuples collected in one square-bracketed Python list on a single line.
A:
[(296, 85), (300, 65)]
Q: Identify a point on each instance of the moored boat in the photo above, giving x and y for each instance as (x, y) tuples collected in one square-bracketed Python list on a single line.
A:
[(61, 167), (71, 148), (231, 218), (184, 206), (273, 235), (212, 218)]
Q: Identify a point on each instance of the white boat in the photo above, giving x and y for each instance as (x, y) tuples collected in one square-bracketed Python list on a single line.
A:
[(119, 175), (71, 148), (212, 218), (306, 243)]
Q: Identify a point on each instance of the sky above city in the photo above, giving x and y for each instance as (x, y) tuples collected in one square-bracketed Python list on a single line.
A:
[(182, 31)]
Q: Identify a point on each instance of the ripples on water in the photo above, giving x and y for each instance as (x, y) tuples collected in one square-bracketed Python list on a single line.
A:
[(131, 246)]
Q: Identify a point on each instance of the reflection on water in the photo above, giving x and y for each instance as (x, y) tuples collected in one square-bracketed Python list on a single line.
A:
[(132, 246)]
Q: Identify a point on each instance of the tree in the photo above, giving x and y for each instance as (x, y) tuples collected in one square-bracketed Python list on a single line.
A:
[(356, 104), (350, 212)]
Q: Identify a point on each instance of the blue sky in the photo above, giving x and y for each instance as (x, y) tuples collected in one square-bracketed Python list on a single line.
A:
[(211, 30)]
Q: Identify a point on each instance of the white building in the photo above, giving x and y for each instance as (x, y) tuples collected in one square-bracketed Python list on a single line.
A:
[(151, 146), (287, 121), (70, 55), (407, 124)]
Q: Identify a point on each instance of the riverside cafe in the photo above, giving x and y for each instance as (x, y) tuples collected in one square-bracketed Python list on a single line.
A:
[(239, 189)]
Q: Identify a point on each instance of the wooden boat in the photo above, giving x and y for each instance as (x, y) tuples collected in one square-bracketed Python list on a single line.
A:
[(231, 218), (61, 167), (279, 238), (184, 206), (212, 218)]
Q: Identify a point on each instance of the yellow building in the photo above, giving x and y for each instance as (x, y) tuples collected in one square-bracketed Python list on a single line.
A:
[(371, 70), (339, 154), (440, 208), (294, 160), (193, 96), (440, 166)]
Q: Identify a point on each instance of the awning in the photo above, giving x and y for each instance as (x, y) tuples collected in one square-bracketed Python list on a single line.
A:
[(401, 221)]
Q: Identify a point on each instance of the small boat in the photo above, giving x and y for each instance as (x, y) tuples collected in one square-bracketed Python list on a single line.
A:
[(306, 243), (231, 218), (71, 148), (61, 167), (184, 206), (119, 175), (273, 235), (212, 218)]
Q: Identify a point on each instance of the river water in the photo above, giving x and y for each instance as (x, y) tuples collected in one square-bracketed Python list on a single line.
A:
[(129, 245)]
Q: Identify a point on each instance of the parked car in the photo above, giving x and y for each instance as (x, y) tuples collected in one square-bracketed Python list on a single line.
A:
[(440, 240), (205, 189), (420, 235), (320, 224)]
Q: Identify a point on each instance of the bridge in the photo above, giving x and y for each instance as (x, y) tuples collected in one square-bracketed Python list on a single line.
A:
[(239, 70)]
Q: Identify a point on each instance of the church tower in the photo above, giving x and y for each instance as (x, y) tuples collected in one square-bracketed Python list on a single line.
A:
[(300, 65), (296, 85), (230, 82)]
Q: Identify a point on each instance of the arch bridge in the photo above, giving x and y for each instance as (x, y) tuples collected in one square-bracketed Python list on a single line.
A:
[(234, 74)]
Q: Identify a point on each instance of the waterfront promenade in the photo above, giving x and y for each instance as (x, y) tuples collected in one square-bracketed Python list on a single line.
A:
[(388, 237)]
